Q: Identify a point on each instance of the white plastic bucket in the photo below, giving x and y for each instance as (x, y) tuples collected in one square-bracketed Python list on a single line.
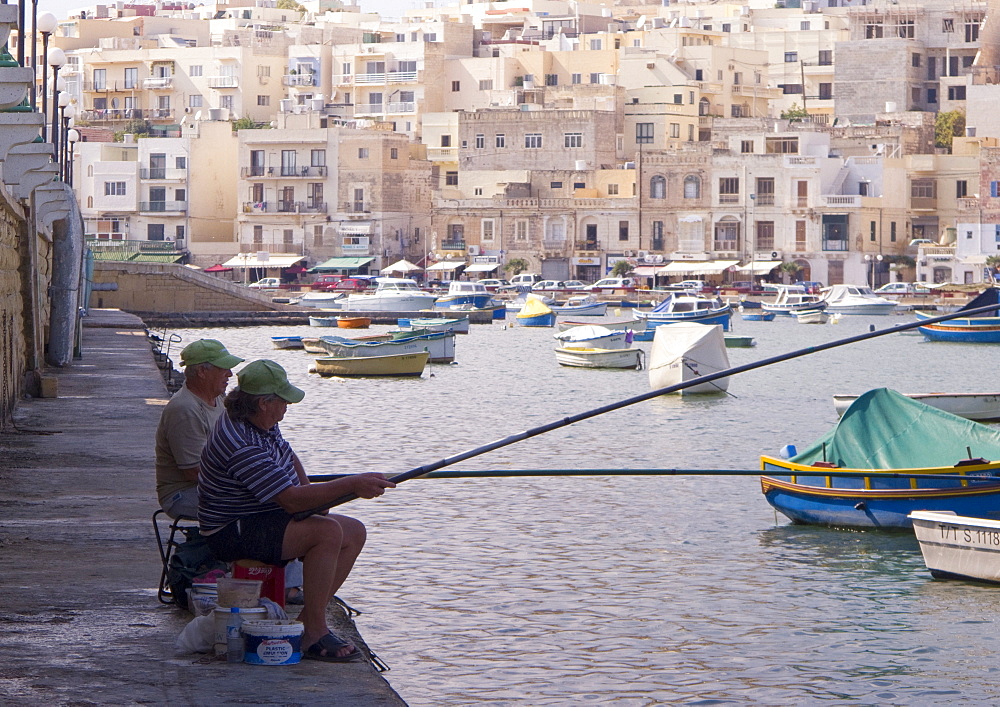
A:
[(272, 642), (222, 617)]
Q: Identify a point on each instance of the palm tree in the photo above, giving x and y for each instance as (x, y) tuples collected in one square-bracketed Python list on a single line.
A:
[(789, 269), (622, 268), (516, 266)]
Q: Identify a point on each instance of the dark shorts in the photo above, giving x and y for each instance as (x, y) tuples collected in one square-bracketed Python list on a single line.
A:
[(255, 537)]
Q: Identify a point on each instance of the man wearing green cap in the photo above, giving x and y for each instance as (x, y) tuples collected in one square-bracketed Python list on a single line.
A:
[(186, 421), (252, 484)]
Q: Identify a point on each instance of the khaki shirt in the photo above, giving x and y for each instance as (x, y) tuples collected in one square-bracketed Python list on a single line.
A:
[(184, 427)]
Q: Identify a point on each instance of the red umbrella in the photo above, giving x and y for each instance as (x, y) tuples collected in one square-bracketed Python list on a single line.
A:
[(218, 267)]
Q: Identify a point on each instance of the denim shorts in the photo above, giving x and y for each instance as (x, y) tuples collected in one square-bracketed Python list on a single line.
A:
[(254, 537)]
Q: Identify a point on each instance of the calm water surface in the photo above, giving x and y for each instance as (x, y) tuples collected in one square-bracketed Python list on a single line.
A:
[(636, 590)]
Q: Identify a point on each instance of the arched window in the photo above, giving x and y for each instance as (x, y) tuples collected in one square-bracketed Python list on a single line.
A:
[(692, 187), (703, 106), (658, 187), (90, 202)]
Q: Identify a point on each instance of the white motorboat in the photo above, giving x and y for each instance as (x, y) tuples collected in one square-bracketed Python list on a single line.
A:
[(460, 293), (958, 547), (811, 316), (682, 352), (393, 294), (587, 357), (581, 306), (459, 325), (792, 298), (321, 300), (982, 407), (593, 336), (856, 299)]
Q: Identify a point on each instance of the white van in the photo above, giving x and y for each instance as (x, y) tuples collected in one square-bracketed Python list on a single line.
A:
[(526, 279), (613, 283)]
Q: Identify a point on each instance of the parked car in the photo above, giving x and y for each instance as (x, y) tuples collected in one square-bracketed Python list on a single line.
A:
[(493, 284), (575, 285), (549, 285), (526, 279), (903, 289), (742, 287), (613, 283), (337, 283), (266, 283)]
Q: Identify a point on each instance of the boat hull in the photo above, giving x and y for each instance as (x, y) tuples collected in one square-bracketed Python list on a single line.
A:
[(408, 364), (654, 320), (758, 316), (565, 324), (459, 326), (982, 407), (597, 309), (540, 320), (869, 309), (877, 502), (353, 322), (478, 301), (287, 342), (811, 316), (389, 302), (322, 321), (958, 547), (440, 345), (961, 334), (583, 357)]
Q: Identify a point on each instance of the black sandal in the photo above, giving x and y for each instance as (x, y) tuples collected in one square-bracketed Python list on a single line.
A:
[(326, 649)]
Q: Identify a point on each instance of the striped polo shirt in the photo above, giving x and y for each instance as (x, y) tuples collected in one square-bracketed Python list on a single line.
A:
[(242, 469)]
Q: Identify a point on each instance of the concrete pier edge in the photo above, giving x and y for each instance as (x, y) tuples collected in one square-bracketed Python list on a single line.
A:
[(82, 623)]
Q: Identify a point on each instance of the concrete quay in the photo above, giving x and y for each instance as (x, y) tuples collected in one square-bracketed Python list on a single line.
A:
[(81, 620)]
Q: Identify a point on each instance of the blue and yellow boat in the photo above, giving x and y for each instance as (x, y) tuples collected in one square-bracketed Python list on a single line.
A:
[(886, 458), (971, 330), (535, 313)]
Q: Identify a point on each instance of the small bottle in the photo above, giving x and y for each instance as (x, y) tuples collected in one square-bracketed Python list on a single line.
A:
[(234, 641)]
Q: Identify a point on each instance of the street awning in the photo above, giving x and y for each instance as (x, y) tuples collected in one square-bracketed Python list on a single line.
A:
[(702, 267), (482, 267), (403, 266), (274, 260), (342, 264), (156, 257), (760, 267), (446, 266), (646, 270)]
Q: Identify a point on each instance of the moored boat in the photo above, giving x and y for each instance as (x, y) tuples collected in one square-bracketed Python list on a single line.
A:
[(402, 364), (683, 352), (393, 294), (593, 336), (589, 357), (632, 324), (440, 344), (958, 547), (321, 300), (740, 342), (312, 345), (686, 307), (905, 441), (535, 313), (811, 316), (460, 293), (758, 315), (581, 306), (856, 299), (791, 298), (971, 330), (458, 325), (321, 320), (982, 407), (347, 322), (287, 342)]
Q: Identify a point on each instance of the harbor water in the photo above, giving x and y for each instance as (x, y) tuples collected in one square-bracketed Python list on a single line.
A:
[(635, 590)]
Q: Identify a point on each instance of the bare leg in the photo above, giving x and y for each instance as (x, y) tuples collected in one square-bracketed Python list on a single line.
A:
[(329, 545)]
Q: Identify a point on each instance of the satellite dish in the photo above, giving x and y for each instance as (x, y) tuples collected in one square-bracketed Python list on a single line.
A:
[(641, 22), (197, 116)]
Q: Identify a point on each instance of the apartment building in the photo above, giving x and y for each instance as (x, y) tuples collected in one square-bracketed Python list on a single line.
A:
[(326, 189)]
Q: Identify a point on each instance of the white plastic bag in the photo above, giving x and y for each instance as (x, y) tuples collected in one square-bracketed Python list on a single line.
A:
[(197, 637)]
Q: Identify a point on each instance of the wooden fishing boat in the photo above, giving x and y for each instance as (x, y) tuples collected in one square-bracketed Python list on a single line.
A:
[(461, 293), (403, 364), (683, 352), (632, 324), (884, 431), (958, 547), (791, 298), (346, 322), (971, 330), (593, 336), (740, 342), (535, 313), (323, 320), (758, 315), (982, 407), (287, 342), (586, 357), (687, 307), (458, 325), (810, 316)]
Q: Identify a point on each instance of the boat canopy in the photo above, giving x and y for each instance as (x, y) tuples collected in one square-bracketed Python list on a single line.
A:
[(986, 297), (534, 307), (884, 429)]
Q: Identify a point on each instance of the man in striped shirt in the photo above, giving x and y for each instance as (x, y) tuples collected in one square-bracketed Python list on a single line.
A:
[(251, 485)]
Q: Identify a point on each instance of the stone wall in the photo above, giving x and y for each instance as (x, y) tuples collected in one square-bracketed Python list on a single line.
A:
[(12, 339), (156, 287)]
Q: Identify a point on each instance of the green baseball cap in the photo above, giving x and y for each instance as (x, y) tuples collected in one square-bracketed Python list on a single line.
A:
[(268, 378), (208, 351)]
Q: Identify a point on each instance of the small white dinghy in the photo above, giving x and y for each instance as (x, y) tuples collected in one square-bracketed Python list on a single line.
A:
[(593, 336), (981, 407), (811, 316), (684, 351), (958, 547)]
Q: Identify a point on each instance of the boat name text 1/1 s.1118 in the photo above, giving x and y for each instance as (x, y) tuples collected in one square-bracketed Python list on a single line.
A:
[(980, 537)]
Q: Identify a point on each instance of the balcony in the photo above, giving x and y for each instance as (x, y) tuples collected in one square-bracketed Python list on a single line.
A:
[(925, 203), (832, 244), (405, 107), (843, 200), (223, 81), (355, 207), (284, 207), (163, 173), (299, 80), (368, 109), (160, 207), (313, 207), (589, 246), (160, 83), (286, 171), (160, 114), (729, 198), (383, 78), (764, 200), (452, 245)]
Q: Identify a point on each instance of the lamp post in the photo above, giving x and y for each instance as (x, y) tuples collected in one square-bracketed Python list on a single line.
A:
[(56, 59), (46, 25), (20, 33), (67, 115), (60, 99), (72, 137), (34, 50), (871, 262)]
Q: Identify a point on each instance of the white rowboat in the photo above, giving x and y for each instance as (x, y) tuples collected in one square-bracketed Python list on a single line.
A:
[(982, 407), (583, 357), (408, 364), (958, 547)]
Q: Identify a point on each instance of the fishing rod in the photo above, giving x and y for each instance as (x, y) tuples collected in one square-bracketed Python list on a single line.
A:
[(819, 471), (707, 378)]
